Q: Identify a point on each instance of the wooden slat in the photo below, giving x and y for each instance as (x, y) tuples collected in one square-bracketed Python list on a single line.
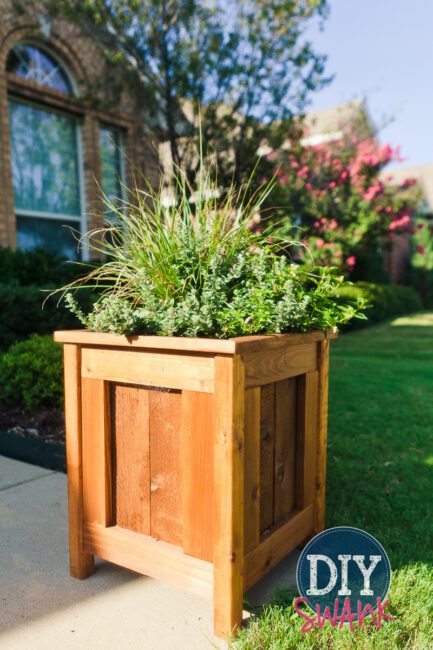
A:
[(252, 469), (165, 370), (180, 343), (306, 440), (151, 557), (237, 345), (250, 344), (198, 423), (131, 458), (229, 487), (97, 497), (285, 447), (165, 466), (267, 450), (271, 365), (322, 437), (277, 545), (81, 562)]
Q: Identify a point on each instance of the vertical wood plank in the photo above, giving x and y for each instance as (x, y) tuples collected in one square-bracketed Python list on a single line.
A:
[(198, 426), (252, 469), (285, 447), (228, 487), (97, 492), (267, 449), (306, 439), (165, 466), (131, 460), (319, 511), (81, 563)]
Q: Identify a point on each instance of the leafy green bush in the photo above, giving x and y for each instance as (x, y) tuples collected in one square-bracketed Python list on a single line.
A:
[(383, 300), (37, 267), (196, 269), (422, 281), (31, 373), (23, 313)]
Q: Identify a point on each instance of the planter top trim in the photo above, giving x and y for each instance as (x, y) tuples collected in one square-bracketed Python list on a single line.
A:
[(214, 346)]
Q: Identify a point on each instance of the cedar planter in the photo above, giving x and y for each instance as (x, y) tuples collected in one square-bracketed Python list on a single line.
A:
[(196, 461)]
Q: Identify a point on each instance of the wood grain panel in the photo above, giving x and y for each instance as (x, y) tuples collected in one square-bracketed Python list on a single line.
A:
[(306, 440), (97, 492), (274, 364), (165, 370), (131, 460), (252, 469), (285, 447), (81, 563), (165, 466), (198, 434), (267, 450)]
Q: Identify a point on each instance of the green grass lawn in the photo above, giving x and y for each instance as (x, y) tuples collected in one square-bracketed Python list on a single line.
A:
[(380, 479)]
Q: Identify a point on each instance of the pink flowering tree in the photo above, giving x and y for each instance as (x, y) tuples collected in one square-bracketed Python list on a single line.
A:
[(335, 193)]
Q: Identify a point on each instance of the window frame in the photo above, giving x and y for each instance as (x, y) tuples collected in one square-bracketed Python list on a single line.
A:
[(103, 124), (80, 219), (56, 59)]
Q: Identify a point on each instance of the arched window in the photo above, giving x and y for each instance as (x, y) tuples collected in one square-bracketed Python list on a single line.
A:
[(46, 162), (31, 63)]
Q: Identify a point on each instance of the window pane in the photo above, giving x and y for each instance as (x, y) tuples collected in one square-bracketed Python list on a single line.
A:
[(49, 234), (33, 64), (44, 160), (111, 164)]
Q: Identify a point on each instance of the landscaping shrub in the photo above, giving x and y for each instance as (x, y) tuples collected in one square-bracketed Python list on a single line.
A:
[(23, 313), (37, 267), (422, 280), (31, 374), (383, 300), (196, 269)]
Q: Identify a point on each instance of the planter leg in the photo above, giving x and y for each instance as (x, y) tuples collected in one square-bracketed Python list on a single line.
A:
[(319, 523), (228, 488), (81, 563)]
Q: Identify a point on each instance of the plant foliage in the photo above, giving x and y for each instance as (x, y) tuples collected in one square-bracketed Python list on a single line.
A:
[(31, 373), (197, 269)]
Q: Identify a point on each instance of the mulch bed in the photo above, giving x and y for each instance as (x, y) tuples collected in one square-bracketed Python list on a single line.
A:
[(41, 424)]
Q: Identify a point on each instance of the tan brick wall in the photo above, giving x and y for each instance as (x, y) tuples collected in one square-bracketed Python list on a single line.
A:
[(96, 103)]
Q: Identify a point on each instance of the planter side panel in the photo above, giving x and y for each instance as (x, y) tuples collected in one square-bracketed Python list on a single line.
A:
[(147, 468), (282, 422)]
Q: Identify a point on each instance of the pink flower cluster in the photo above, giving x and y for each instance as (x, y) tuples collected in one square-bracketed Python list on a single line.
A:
[(401, 222)]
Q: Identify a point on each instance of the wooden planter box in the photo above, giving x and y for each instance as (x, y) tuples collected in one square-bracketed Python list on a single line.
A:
[(197, 461)]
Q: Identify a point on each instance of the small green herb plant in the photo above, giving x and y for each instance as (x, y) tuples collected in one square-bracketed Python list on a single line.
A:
[(196, 268)]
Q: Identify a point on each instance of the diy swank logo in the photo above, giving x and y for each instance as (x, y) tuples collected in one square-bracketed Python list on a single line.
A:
[(343, 576)]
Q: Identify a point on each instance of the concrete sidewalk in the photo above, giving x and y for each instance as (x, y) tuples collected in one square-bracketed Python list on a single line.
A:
[(41, 607)]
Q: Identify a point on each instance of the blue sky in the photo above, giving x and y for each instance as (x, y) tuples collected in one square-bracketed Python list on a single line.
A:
[(383, 50)]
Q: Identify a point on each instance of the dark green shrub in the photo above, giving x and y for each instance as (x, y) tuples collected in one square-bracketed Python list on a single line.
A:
[(37, 267), (384, 300), (23, 313), (422, 281), (31, 374)]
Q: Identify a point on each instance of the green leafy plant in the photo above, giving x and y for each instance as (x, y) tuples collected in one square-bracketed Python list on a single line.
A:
[(31, 373), (382, 300), (197, 269)]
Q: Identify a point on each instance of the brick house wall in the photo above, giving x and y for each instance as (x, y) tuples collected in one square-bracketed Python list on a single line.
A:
[(96, 103)]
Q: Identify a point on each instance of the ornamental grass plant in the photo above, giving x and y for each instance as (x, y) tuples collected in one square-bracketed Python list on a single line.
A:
[(197, 268)]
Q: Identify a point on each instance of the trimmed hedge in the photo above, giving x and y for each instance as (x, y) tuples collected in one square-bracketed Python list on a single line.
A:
[(422, 280), (31, 374), (384, 300), (37, 267), (23, 312)]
